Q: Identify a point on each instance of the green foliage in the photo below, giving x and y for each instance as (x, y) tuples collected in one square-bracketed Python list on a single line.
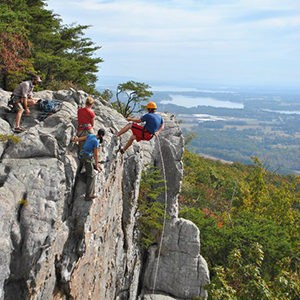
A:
[(189, 136), (248, 212), (135, 93), (36, 41), (287, 283), (9, 137), (219, 289), (241, 279), (151, 212), (106, 95), (15, 47)]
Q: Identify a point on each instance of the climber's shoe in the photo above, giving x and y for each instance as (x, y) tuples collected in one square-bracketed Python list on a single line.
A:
[(90, 197), (18, 130)]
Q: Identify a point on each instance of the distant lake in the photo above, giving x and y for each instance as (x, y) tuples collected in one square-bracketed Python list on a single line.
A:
[(187, 101)]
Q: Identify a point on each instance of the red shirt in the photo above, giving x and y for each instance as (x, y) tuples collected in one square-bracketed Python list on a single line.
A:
[(85, 118)]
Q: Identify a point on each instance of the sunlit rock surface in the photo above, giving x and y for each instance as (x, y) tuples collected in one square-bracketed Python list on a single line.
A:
[(55, 245)]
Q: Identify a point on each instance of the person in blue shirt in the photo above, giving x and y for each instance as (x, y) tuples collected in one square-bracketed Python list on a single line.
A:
[(154, 124), (89, 159)]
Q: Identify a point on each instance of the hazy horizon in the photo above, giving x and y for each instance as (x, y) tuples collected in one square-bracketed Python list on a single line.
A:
[(185, 86), (225, 43)]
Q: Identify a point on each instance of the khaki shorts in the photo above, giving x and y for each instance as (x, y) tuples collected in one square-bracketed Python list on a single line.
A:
[(18, 106)]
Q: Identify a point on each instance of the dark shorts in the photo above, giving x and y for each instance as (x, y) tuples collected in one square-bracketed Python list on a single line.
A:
[(141, 133)]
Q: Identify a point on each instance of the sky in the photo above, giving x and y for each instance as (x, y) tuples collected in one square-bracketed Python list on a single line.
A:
[(192, 43)]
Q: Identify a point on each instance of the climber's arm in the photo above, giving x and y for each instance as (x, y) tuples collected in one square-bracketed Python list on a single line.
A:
[(135, 120), (162, 126), (78, 139), (97, 166)]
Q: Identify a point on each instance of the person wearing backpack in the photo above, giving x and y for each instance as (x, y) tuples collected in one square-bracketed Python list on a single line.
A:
[(85, 120), (22, 99), (88, 157), (154, 124)]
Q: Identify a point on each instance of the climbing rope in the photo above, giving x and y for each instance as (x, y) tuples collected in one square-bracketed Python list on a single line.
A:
[(165, 214)]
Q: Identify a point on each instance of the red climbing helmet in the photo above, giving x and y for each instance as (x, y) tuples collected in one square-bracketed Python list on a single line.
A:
[(151, 105)]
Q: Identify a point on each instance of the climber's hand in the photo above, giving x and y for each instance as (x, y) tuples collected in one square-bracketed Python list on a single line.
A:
[(98, 167), (74, 139)]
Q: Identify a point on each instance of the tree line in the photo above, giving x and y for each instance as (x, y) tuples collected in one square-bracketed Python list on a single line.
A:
[(249, 223), (248, 219), (33, 39)]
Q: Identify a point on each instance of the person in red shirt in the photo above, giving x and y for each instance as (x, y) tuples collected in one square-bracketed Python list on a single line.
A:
[(85, 119)]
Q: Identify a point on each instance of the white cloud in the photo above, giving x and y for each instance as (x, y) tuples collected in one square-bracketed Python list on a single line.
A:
[(178, 39)]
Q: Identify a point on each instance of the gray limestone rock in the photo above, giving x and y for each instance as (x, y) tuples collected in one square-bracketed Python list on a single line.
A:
[(179, 270), (56, 245)]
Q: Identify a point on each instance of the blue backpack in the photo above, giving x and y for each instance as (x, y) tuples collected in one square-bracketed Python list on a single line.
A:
[(48, 107)]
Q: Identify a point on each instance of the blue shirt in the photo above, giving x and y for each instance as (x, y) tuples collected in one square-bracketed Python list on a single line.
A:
[(153, 122), (90, 144)]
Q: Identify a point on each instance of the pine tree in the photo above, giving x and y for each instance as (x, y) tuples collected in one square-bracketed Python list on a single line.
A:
[(39, 42)]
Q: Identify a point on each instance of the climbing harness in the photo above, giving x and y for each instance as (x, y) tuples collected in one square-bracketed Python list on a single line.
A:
[(165, 215), (83, 127), (146, 135)]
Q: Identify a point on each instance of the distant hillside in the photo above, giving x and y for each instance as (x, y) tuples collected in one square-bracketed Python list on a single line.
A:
[(267, 127), (249, 222)]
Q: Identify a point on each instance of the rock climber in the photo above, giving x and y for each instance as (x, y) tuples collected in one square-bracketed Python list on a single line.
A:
[(85, 119), (22, 99), (89, 159), (153, 126)]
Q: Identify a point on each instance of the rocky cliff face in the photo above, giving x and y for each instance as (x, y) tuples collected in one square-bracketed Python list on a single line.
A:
[(55, 245)]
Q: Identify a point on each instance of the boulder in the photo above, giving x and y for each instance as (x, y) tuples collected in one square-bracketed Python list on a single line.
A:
[(55, 245), (179, 270)]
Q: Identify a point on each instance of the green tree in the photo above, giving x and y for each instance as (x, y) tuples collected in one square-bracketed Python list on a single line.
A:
[(241, 279), (133, 93), (237, 207), (151, 212), (106, 95), (287, 283), (15, 47), (60, 53), (14, 59)]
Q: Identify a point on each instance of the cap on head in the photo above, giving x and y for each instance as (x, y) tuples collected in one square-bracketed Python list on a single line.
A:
[(151, 105), (101, 132), (36, 78)]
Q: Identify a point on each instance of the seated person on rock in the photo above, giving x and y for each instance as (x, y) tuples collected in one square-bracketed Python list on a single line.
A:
[(22, 99), (85, 119), (153, 126), (89, 159)]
